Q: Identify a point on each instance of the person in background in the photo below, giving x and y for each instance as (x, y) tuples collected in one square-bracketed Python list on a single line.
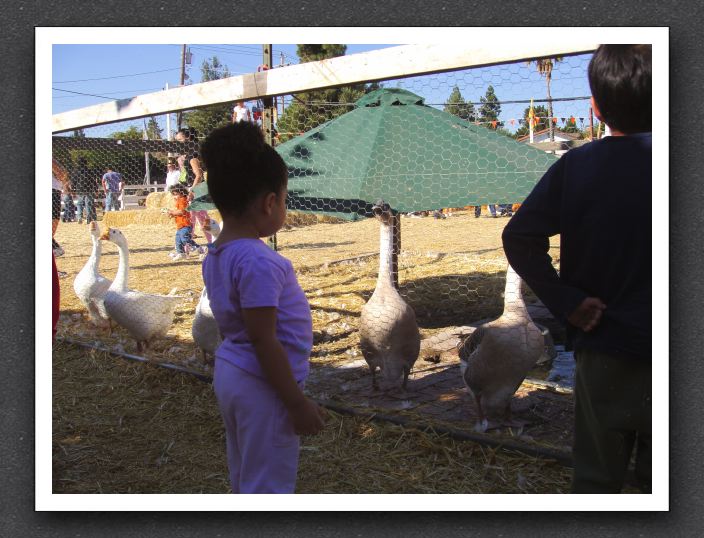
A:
[(55, 296), (240, 112), (603, 291), (173, 173), (69, 207), (506, 210), (112, 187), (262, 313), (184, 227), (59, 177), (190, 138), (478, 210), (84, 185)]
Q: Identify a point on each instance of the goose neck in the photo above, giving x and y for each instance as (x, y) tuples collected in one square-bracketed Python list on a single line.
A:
[(386, 241), (94, 259), (122, 269), (513, 296)]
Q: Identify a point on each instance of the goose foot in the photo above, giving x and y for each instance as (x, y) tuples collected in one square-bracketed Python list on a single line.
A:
[(481, 426), (515, 426)]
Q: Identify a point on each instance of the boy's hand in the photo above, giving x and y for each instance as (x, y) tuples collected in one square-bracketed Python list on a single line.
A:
[(308, 417), (588, 314)]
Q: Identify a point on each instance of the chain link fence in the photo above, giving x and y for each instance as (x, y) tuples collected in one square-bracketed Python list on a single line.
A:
[(449, 156)]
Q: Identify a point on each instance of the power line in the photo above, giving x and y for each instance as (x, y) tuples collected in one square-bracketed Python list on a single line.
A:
[(118, 76), (81, 93), (106, 93)]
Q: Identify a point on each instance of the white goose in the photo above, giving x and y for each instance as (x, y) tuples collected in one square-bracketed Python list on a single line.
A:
[(206, 334), (90, 286), (204, 330), (389, 335), (497, 356), (145, 316)]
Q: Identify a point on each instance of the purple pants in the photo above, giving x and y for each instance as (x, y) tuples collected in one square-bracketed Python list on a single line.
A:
[(262, 448)]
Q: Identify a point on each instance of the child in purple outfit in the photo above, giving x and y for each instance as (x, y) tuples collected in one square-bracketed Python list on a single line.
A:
[(262, 313)]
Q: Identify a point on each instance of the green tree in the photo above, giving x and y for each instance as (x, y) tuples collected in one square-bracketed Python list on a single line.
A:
[(457, 106), (204, 120), (313, 108), (154, 132), (129, 163), (313, 53), (490, 108), (544, 66)]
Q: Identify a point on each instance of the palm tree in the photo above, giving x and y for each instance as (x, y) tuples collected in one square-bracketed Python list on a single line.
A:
[(544, 67)]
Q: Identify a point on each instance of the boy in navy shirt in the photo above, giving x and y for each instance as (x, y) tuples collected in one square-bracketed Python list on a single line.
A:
[(603, 292)]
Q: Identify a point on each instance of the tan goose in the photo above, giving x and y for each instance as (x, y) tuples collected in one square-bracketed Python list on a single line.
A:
[(90, 286), (389, 335), (497, 356), (145, 316)]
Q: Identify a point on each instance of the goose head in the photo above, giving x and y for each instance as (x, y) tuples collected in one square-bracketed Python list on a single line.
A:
[(214, 228), (382, 211), (94, 230), (115, 236)]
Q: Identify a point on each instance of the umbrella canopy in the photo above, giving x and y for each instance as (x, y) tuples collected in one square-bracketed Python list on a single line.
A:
[(392, 146)]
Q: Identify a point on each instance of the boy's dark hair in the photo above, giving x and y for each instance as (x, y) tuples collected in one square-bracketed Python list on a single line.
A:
[(620, 81), (178, 189), (241, 166)]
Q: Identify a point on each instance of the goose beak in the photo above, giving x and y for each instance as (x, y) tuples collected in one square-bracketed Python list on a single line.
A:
[(105, 236)]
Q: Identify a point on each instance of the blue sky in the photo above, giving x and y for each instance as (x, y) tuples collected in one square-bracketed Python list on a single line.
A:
[(121, 71), (89, 74)]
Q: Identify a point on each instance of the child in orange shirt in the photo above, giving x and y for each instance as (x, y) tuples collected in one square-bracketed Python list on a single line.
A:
[(184, 226)]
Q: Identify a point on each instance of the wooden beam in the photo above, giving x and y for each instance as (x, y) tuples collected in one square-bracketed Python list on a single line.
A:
[(384, 64)]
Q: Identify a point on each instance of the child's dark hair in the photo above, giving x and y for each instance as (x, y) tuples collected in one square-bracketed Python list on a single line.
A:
[(621, 84), (241, 166), (178, 189)]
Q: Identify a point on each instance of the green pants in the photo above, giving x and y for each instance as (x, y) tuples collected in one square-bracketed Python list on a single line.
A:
[(612, 416)]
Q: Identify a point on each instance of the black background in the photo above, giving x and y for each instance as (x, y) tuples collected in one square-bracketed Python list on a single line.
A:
[(17, 515)]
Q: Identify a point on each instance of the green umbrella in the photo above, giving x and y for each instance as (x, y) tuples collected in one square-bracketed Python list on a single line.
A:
[(392, 146), (201, 198)]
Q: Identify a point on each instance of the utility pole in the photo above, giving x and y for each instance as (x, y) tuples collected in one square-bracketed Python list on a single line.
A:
[(168, 119), (183, 79)]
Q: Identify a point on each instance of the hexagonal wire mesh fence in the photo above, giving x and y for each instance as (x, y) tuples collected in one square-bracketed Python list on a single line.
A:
[(397, 191)]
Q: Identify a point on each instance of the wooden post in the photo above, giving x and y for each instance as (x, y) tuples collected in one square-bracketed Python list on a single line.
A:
[(591, 124), (267, 119)]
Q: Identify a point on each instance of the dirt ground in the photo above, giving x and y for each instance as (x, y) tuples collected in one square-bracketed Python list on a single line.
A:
[(452, 271)]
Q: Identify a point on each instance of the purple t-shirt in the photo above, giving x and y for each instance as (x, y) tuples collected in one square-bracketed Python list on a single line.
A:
[(246, 273), (112, 179)]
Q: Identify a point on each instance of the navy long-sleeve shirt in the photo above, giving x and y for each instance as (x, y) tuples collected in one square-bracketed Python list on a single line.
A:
[(598, 199)]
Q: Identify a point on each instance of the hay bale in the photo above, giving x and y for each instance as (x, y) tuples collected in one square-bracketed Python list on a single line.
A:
[(120, 219), (157, 200), (294, 219)]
